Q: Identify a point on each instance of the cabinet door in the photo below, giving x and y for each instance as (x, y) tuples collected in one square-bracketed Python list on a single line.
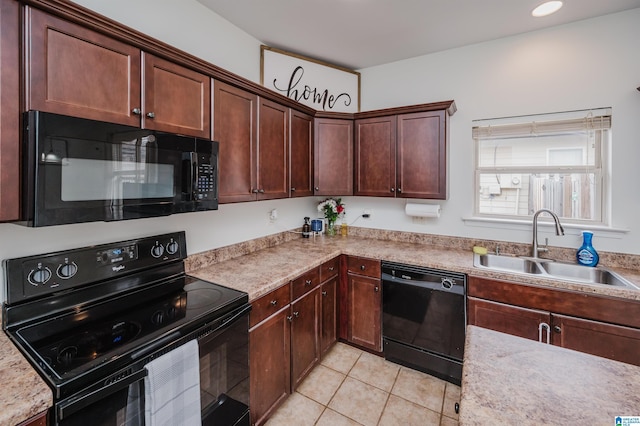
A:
[(37, 420), (508, 319), (365, 321), (176, 99), (375, 157), (422, 155), (273, 150), (9, 110), (301, 160), (597, 338), (72, 70), (269, 365), (305, 333), (328, 292), (333, 157), (234, 126)]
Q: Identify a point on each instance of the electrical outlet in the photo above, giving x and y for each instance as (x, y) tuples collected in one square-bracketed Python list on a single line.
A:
[(419, 220), (367, 214)]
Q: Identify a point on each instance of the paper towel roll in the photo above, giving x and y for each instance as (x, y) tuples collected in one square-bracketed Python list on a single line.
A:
[(422, 210)]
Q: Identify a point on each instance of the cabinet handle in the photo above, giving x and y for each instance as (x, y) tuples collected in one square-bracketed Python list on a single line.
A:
[(290, 318), (316, 188), (274, 302), (331, 268), (136, 111), (151, 115), (541, 326), (376, 289), (307, 282), (362, 267), (392, 190), (293, 190), (255, 191), (557, 329), (324, 293), (296, 314), (261, 191), (399, 190)]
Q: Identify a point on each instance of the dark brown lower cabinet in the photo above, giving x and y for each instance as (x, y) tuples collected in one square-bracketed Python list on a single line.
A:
[(364, 295), (597, 338), (269, 365), (572, 320), (507, 319), (328, 293), (37, 420), (305, 336)]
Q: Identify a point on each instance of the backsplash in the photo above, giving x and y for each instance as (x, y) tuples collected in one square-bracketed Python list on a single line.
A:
[(613, 260)]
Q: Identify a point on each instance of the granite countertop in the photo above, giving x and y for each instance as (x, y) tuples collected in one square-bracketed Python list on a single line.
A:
[(262, 271), (510, 380), (24, 394)]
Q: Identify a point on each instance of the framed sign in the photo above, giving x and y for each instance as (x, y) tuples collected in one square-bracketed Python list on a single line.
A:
[(319, 85)]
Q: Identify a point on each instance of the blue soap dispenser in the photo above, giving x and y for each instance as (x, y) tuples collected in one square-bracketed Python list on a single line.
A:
[(587, 255)]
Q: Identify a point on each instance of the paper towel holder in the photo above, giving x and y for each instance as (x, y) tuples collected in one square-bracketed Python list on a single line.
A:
[(422, 210)]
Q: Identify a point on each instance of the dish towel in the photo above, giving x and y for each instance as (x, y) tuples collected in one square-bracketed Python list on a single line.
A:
[(172, 388)]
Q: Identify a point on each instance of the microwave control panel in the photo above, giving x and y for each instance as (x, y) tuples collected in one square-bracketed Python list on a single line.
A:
[(205, 188)]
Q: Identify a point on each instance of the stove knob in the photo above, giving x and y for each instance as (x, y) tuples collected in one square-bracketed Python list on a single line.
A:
[(39, 276), (172, 247), (157, 318), (157, 250), (67, 270)]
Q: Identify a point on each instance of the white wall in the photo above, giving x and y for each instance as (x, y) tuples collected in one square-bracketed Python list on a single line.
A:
[(592, 63), (189, 26)]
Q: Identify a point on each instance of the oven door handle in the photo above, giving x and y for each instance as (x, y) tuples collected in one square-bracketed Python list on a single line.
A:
[(68, 408), (224, 323)]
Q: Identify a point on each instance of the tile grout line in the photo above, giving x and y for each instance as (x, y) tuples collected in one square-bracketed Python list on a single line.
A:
[(395, 379)]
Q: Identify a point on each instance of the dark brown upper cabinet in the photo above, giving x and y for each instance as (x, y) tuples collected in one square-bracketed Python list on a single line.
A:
[(254, 145), (73, 70), (9, 110), (403, 155), (333, 156), (301, 157)]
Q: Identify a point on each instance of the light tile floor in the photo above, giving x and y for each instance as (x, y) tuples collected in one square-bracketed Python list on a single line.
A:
[(353, 387)]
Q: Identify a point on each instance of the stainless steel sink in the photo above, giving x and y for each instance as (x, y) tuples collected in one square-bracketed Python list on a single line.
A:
[(506, 263), (551, 269)]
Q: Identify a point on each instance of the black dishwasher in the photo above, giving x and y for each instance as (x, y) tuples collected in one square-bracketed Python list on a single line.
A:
[(424, 319)]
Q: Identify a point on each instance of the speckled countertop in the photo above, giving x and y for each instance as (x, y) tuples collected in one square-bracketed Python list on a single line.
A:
[(24, 394), (508, 380), (262, 271)]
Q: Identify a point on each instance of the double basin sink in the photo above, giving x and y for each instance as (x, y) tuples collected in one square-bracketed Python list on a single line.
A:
[(546, 268)]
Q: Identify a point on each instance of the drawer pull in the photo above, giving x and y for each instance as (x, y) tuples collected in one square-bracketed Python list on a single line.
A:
[(331, 268), (308, 282), (274, 302), (324, 293), (296, 314), (376, 289), (362, 267), (289, 318)]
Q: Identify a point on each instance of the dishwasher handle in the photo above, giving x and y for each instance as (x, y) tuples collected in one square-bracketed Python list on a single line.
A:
[(445, 284)]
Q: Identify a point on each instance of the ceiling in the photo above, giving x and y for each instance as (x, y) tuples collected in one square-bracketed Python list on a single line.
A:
[(358, 34)]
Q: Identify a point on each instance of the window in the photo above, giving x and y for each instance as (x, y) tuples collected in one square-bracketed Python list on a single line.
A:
[(552, 161)]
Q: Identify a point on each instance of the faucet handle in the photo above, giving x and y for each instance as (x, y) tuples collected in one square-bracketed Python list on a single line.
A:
[(544, 248)]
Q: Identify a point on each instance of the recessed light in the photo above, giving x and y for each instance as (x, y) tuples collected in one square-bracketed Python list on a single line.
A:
[(546, 8)]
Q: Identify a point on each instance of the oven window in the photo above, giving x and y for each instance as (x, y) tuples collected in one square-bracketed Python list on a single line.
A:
[(122, 408)]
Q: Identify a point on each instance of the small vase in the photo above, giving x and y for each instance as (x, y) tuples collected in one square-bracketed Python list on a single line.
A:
[(331, 228)]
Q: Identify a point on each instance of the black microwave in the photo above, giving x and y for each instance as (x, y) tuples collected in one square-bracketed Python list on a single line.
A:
[(78, 170)]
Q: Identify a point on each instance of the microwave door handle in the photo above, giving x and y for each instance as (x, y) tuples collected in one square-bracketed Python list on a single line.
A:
[(190, 170)]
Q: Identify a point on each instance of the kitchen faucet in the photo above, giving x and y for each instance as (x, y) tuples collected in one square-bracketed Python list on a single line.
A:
[(559, 231)]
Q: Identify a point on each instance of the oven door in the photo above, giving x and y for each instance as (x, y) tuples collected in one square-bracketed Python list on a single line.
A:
[(224, 382), (83, 170)]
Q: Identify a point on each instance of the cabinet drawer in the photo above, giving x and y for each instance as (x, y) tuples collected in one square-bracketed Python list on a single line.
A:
[(305, 283), (363, 266), (269, 304), (329, 269)]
